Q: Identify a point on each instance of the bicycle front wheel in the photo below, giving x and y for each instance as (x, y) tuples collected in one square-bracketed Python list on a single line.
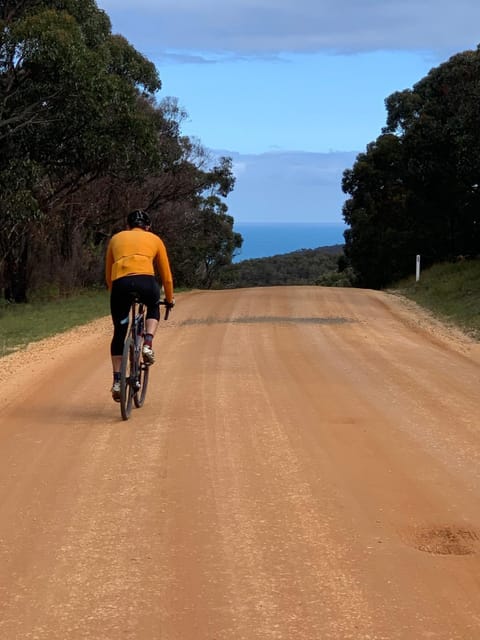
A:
[(127, 373), (139, 397)]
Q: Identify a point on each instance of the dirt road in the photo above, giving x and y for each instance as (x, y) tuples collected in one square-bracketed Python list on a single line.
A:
[(306, 466)]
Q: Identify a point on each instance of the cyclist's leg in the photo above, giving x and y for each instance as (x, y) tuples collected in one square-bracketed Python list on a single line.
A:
[(149, 293), (151, 326), (120, 301), (152, 300)]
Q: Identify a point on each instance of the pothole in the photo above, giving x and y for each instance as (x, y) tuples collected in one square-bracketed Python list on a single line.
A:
[(446, 540)]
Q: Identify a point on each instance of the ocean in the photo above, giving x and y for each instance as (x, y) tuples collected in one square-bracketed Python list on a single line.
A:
[(265, 239)]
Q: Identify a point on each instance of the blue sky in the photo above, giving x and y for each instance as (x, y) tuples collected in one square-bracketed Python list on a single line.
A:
[(292, 90)]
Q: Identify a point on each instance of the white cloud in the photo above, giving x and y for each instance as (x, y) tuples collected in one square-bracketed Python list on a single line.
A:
[(238, 168), (278, 185), (251, 27)]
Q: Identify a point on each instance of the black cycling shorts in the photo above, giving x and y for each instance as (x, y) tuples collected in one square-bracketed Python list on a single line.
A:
[(147, 289)]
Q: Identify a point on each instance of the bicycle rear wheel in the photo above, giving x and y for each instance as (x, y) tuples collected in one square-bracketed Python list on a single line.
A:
[(127, 373)]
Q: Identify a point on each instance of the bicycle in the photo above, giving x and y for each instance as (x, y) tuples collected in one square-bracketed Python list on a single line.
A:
[(134, 372)]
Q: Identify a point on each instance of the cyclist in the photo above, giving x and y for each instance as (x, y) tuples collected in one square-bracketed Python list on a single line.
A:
[(133, 257)]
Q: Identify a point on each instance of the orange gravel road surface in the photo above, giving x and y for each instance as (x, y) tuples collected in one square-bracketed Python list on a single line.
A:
[(306, 467)]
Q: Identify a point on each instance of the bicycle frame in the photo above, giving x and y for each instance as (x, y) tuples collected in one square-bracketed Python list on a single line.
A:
[(134, 372)]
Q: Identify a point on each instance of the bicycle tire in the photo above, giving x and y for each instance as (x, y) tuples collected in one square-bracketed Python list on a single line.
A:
[(141, 367), (139, 397), (126, 373)]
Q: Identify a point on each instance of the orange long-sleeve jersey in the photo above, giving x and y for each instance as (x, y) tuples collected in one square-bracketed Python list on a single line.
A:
[(138, 252)]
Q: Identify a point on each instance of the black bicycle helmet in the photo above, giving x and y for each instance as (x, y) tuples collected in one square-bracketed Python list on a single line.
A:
[(138, 218)]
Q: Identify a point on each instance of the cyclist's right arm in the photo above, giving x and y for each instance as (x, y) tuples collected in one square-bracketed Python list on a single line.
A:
[(164, 271)]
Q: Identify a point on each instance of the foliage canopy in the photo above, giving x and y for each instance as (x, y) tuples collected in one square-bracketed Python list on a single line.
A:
[(83, 140), (416, 189)]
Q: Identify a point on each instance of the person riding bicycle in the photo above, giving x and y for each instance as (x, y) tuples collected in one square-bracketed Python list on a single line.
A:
[(132, 259)]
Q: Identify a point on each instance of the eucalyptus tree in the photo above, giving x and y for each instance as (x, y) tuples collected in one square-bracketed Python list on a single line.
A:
[(188, 207), (69, 92), (379, 242), (82, 140), (417, 187), (438, 120)]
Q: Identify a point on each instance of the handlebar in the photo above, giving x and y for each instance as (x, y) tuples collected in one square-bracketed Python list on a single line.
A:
[(167, 310)]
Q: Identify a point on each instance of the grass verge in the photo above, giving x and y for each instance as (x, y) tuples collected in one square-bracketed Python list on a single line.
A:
[(449, 290), (21, 324)]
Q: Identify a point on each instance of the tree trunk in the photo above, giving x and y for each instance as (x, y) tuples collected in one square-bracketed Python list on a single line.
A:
[(16, 275)]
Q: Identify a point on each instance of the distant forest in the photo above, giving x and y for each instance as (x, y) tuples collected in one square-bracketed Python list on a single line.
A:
[(307, 266)]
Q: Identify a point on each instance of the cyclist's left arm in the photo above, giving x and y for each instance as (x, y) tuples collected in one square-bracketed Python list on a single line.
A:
[(108, 266)]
